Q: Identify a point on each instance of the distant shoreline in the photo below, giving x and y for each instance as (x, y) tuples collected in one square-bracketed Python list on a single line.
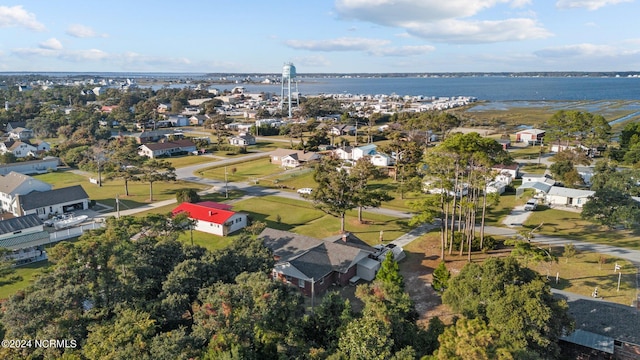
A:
[(142, 74)]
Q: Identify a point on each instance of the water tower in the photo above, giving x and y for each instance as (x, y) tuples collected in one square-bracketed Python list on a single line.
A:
[(288, 75)]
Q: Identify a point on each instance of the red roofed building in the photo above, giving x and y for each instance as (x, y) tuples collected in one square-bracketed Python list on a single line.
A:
[(210, 218)]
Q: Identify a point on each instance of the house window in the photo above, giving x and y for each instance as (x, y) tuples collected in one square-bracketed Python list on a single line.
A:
[(301, 283)]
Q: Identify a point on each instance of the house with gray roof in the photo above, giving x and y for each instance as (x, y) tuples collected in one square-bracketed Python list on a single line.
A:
[(53, 202), (14, 184), (293, 158), (315, 264), (25, 238), (567, 196)]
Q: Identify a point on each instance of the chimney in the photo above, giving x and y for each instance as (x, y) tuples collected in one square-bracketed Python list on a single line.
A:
[(210, 213)]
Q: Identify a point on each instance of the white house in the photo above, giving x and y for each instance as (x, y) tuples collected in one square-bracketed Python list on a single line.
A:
[(568, 197), (495, 187), (213, 218), (344, 153), (243, 139), (365, 150), (18, 148), (20, 134), (531, 136), (381, 160), (168, 148), (14, 184), (53, 202), (178, 120), (293, 158), (531, 178), (41, 145)]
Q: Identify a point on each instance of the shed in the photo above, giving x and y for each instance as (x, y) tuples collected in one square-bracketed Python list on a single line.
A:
[(367, 268)]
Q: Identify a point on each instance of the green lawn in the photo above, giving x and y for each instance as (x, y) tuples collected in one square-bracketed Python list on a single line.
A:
[(26, 274), (301, 217), (569, 224), (182, 161), (242, 171), (582, 273), (208, 241), (138, 191)]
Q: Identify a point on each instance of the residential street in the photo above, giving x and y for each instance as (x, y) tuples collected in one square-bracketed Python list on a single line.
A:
[(513, 221)]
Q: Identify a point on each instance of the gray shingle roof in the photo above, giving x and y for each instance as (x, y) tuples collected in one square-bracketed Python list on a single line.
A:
[(19, 223), (37, 199), (313, 257), (10, 182), (26, 240)]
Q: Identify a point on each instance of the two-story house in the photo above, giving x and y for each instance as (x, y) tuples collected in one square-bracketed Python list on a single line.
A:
[(14, 184)]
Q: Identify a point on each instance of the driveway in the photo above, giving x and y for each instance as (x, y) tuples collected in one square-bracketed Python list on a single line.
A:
[(516, 217)]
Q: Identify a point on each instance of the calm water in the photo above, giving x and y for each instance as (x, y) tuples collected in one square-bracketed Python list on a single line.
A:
[(484, 88), (488, 88)]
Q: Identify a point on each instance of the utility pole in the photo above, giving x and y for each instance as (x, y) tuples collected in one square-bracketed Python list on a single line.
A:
[(117, 206)]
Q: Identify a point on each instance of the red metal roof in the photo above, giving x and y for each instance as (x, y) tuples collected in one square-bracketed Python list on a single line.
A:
[(204, 213)]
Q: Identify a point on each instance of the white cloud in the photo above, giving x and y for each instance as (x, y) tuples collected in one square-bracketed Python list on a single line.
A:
[(126, 60), (584, 50), (51, 44), (402, 50), (457, 31), (312, 61), (83, 31), (339, 44), (587, 4), (445, 21), (397, 12), (16, 16), (375, 47)]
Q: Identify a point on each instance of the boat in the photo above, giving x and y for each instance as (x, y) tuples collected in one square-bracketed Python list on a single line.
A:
[(69, 220)]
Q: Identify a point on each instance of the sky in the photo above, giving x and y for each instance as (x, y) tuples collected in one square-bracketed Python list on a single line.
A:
[(320, 36)]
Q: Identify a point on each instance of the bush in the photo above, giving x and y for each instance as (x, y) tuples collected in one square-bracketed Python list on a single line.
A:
[(440, 277)]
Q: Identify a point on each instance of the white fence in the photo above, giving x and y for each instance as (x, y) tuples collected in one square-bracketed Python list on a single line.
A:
[(73, 231)]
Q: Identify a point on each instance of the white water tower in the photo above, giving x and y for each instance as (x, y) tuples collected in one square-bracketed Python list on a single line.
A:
[(289, 75)]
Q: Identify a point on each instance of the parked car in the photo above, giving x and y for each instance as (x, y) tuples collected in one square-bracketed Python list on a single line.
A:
[(531, 205), (305, 191)]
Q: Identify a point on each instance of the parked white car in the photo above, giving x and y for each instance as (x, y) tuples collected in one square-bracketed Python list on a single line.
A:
[(531, 205), (305, 191)]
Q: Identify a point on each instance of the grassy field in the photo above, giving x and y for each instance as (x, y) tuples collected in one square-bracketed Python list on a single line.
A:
[(301, 217), (182, 161), (138, 191), (569, 224), (584, 272), (26, 274)]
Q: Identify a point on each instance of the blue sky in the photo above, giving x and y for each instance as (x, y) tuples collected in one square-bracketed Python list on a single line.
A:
[(320, 36)]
